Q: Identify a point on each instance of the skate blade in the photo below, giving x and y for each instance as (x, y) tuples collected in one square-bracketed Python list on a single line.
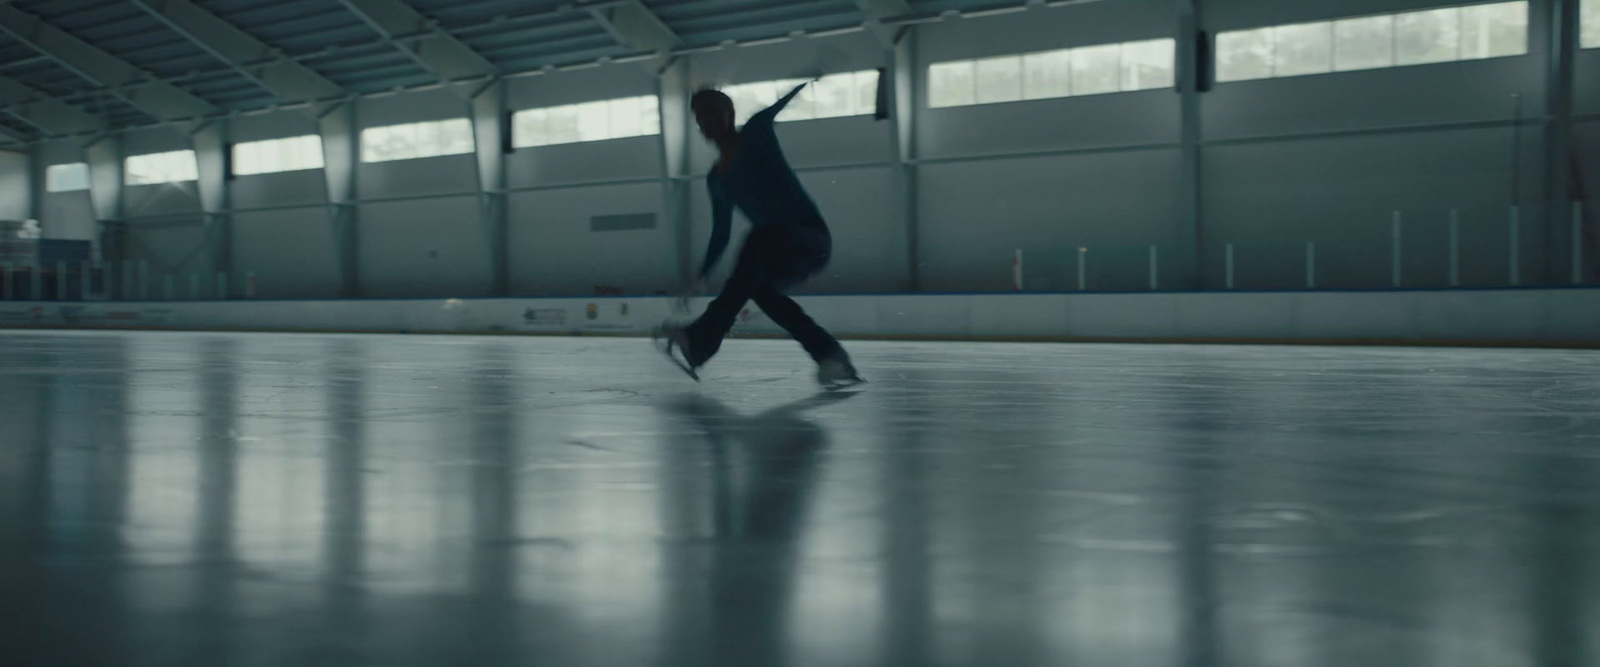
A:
[(666, 346), (847, 383)]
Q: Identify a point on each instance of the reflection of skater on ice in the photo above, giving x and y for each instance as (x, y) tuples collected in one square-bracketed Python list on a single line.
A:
[(788, 241)]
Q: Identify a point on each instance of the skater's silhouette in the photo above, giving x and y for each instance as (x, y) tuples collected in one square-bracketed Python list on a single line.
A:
[(788, 241)]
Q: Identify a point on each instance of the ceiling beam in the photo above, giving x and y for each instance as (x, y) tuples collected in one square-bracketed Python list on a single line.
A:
[(45, 112), (285, 78), (633, 25), (874, 12), (883, 9), (162, 101), (420, 39), (8, 135)]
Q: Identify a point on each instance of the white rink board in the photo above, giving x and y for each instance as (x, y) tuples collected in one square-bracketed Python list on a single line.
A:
[(1486, 315)]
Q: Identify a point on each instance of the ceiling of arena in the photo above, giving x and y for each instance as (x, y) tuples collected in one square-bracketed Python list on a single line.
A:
[(84, 66)]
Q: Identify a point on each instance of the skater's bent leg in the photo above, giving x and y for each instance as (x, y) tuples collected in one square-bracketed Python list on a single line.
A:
[(787, 314), (707, 332)]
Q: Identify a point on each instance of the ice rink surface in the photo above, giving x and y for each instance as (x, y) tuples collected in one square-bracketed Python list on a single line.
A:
[(309, 500)]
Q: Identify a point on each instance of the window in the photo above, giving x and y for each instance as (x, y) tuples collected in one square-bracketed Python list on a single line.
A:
[(1494, 31), (1046, 75), (153, 168), (275, 155), (952, 85), (1096, 70), (69, 177), (1369, 42), (1590, 24), (590, 121), (1303, 49), (1244, 54), (1432, 36), (417, 140), (1364, 43), (1086, 70), (832, 96)]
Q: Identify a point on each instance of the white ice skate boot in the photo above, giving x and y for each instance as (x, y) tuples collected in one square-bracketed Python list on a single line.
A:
[(837, 373)]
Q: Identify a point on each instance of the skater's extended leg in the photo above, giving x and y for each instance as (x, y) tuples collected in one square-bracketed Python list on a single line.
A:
[(787, 314), (834, 369)]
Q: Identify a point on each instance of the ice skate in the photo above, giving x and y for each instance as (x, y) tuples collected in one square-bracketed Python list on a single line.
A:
[(837, 373), (673, 341)]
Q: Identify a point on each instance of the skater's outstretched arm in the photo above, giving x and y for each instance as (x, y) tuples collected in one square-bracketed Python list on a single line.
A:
[(767, 115), (721, 227)]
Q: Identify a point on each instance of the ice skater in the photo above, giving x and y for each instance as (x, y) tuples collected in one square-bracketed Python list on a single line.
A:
[(788, 240)]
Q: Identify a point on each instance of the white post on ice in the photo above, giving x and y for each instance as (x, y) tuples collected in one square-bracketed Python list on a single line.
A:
[(1228, 266), (1155, 272), (1311, 264), (1514, 247), (1455, 248), (1394, 250), (1577, 242), (1083, 274)]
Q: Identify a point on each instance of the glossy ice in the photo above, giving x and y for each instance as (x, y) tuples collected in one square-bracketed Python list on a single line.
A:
[(254, 499)]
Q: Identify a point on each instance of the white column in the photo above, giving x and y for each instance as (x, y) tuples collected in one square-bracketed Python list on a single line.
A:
[(491, 129), (210, 150), (1455, 248), (104, 156), (1311, 264), (1190, 231), (341, 152), (1227, 267), (674, 93), (902, 100), (1394, 250)]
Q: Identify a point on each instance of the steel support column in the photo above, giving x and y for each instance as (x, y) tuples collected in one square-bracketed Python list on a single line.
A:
[(341, 152), (105, 195), (902, 100), (674, 90), (1562, 36), (491, 128), (211, 154), (1188, 232)]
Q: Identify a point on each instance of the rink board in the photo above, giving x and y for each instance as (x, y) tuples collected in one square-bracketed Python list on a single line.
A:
[(1518, 315)]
